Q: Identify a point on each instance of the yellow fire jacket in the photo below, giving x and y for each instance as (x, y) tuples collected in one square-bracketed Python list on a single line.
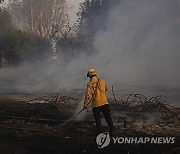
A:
[(96, 92)]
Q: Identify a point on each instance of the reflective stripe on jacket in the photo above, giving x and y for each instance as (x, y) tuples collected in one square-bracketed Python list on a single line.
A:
[(98, 96)]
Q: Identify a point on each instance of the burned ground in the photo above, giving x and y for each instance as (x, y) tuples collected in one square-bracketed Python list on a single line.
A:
[(32, 123)]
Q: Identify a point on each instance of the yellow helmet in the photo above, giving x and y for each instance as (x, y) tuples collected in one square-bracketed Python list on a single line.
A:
[(91, 72)]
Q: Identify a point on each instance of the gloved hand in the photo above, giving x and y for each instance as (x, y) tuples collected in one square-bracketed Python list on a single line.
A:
[(84, 107)]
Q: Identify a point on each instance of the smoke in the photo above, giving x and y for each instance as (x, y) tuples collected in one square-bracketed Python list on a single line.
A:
[(148, 119), (84, 114), (48, 76), (138, 46)]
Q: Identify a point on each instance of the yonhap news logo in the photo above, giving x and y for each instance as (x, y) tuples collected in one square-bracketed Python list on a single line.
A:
[(144, 140), (103, 140)]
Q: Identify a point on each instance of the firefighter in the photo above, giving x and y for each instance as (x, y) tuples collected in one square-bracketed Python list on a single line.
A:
[(96, 93)]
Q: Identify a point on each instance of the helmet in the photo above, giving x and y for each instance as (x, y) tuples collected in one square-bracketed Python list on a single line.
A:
[(91, 72)]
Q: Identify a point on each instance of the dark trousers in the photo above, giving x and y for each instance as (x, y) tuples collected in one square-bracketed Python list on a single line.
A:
[(106, 112)]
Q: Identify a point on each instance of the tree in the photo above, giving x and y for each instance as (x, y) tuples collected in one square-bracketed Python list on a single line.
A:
[(43, 17), (5, 26), (5, 21), (92, 17), (17, 46)]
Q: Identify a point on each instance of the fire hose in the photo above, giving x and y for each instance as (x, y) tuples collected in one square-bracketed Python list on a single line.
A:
[(45, 130), (63, 124), (73, 117)]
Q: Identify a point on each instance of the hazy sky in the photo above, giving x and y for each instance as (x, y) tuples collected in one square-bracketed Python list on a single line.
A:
[(73, 8)]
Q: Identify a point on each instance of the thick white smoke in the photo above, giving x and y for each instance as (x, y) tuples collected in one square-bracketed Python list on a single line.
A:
[(139, 46)]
